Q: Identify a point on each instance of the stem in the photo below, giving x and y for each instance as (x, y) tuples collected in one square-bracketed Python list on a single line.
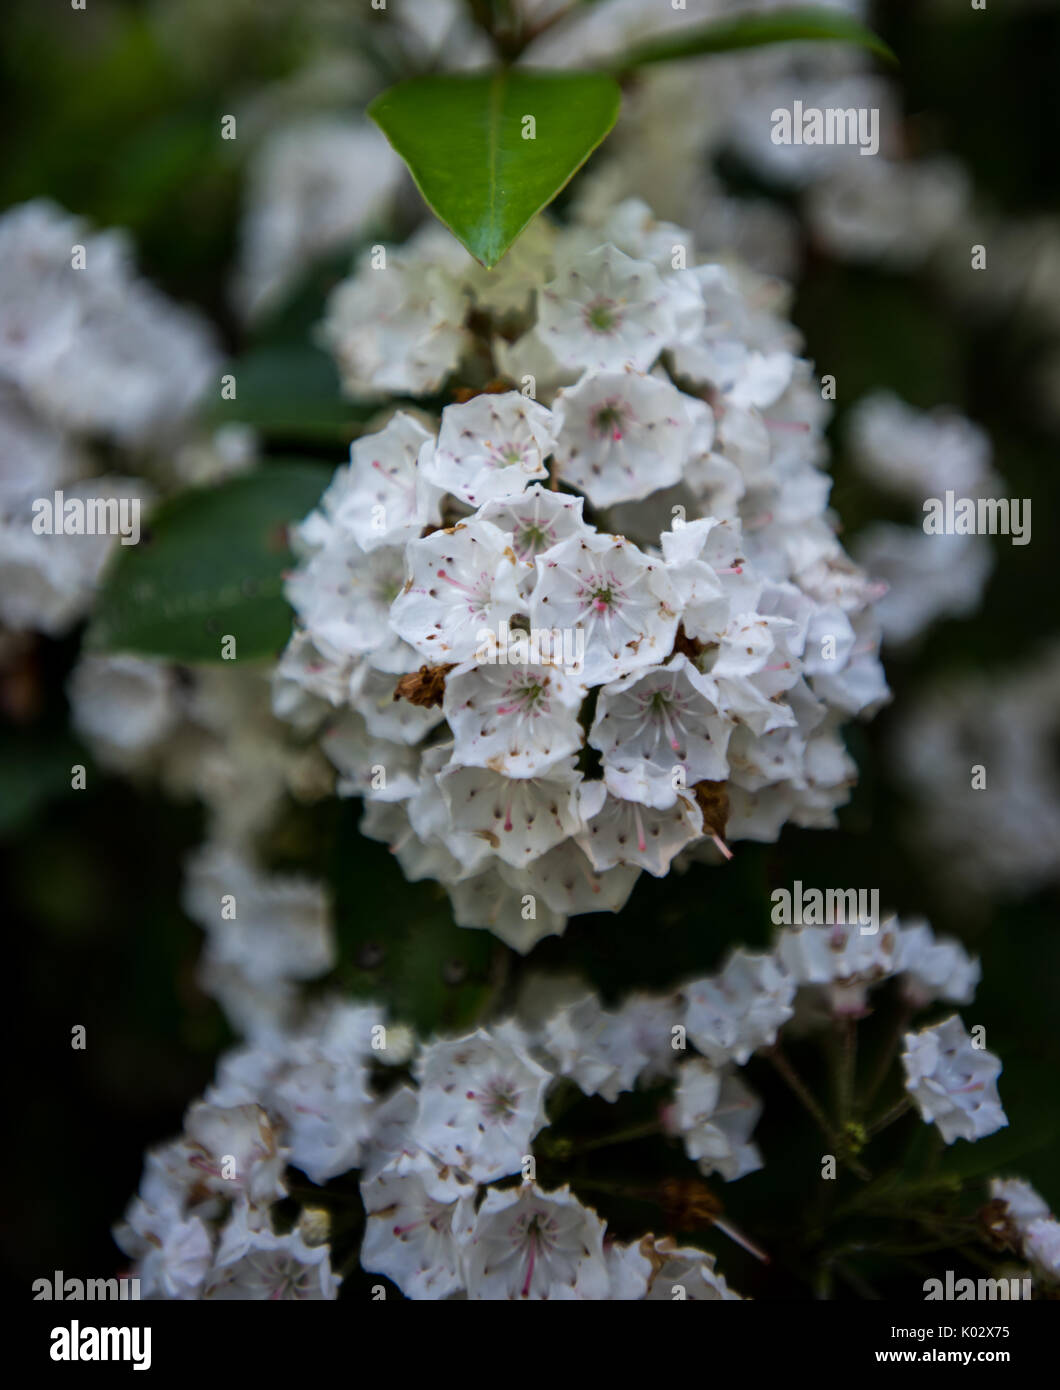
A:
[(837, 1141), (800, 1089), (883, 1066), (888, 1118), (859, 1285), (622, 1136), (620, 1189), (848, 1063)]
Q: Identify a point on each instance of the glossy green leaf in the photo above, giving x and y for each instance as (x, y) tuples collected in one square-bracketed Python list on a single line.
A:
[(289, 392), (209, 564), (463, 138), (754, 30)]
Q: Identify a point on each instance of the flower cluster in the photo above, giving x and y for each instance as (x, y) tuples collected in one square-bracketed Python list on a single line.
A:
[(100, 376), (447, 1156), (920, 455), (970, 753), (1021, 1219), (206, 733), (204, 1223), (584, 625)]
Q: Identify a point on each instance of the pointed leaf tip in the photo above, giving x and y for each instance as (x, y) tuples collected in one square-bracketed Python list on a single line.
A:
[(488, 151)]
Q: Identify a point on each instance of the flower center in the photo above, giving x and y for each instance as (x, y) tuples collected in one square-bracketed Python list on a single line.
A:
[(602, 316), (609, 419), (499, 1099)]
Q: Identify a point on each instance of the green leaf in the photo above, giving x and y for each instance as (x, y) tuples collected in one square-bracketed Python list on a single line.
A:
[(462, 139), (290, 393), (34, 768), (754, 30), (209, 564)]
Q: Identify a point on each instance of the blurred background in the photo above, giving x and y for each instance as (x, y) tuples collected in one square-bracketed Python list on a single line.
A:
[(114, 114)]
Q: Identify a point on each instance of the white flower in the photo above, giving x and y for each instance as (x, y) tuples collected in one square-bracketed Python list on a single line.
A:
[(227, 451), (172, 1255), (1041, 1245), (732, 1014), (172, 1248), (924, 577), (322, 1094), (524, 905), (263, 1266), (48, 582), (1029, 1225), (621, 599), (597, 1049), (270, 927), (716, 1114), (490, 447), (917, 453), (373, 696), (517, 720), (253, 1008), (391, 1132), (1024, 1204), (605, 311), (307, 685), (934, 969), (569, 884), (860, 687), (96, 349), (125, 706), (313, 186), (235, 1153), (482, 1100), (506, 289), (841, 957), (953, 1082), (505, 901), (42, 294), (398, 326), (660, 731), (686, 1268), (416, 1224), (652, 1021), (999, 723), (518, 819), (889, 211), (621, 435), (370, 767), (383, 498), (430, 815), (342, 597), (536, 520), (529, 1244), (629, 1270), (245, 1075), (462, 585), (705, 563), (36, 457), (627, 832)]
